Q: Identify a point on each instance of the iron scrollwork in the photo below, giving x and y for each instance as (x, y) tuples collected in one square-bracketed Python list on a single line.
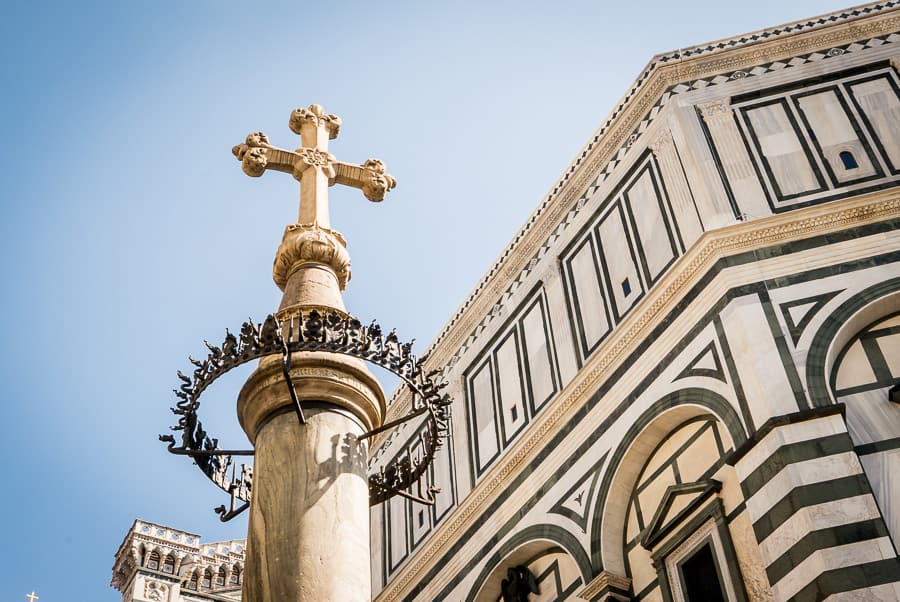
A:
[(328, 331)]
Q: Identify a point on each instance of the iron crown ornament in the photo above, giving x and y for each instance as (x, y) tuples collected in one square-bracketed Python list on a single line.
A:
[(329, 331)]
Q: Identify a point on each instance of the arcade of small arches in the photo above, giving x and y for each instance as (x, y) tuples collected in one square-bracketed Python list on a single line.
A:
[(208, 575)]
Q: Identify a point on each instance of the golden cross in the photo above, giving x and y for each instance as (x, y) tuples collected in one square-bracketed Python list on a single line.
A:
[(312, 165), (32, 597)]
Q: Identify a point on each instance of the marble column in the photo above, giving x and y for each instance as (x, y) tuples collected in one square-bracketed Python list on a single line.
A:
[(308, 538)]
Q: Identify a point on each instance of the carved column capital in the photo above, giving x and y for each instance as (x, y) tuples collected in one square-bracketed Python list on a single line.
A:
[(715, 110), (309, 243), (662, 142)]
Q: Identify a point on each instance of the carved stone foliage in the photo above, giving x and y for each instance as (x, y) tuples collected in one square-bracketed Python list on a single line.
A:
[(315, 115), (327, 331), (377, 181), (309, 243), (717, 109)]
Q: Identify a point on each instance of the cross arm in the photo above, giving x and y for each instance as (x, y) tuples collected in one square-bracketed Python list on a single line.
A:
[(371, 177), (257, 155)]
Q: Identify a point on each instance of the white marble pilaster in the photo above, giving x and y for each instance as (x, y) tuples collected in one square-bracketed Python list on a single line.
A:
[(742, 178), (686, 216)]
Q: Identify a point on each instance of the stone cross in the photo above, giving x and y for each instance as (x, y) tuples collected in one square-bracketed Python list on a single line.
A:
[(312, 165), (32, 597)]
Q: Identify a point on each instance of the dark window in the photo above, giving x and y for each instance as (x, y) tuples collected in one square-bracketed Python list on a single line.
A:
[(421, 518), (848, 160), (514, 412), (701, 579), (626, 287)]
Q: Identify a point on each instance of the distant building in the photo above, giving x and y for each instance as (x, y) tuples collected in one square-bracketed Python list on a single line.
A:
[(161, 564), (676, 382)]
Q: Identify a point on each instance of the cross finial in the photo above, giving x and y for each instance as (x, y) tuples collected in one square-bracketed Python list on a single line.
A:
[(32, 597), (312, 165)]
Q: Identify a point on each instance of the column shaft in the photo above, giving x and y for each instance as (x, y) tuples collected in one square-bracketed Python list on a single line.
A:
[(308, 538)]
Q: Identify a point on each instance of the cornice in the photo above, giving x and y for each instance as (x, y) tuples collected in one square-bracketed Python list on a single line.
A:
[(690, 268), (663, 74)]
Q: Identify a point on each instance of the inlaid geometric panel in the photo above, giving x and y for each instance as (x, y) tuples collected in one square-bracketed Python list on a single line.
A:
[(783, 153), (706, 364), (800, 312), (575, 503)]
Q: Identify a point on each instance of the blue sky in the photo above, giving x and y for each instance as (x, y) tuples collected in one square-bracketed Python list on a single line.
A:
[(129, 233)]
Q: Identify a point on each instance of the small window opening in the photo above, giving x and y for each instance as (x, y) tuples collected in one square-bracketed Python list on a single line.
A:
[(421, 518), (701, 579), (153, 563), (514, 413), (848, 160), (626, 287)]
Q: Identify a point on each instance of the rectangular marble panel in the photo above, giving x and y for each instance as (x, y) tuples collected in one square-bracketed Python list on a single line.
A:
[(834, 133), (419, 514), (540, 360), (879, 104), (618, 258), (482, 392), (782, 150), (645, 206), (510, 398), (442, 477), (763, 374), (588, 298), (397, 530)]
